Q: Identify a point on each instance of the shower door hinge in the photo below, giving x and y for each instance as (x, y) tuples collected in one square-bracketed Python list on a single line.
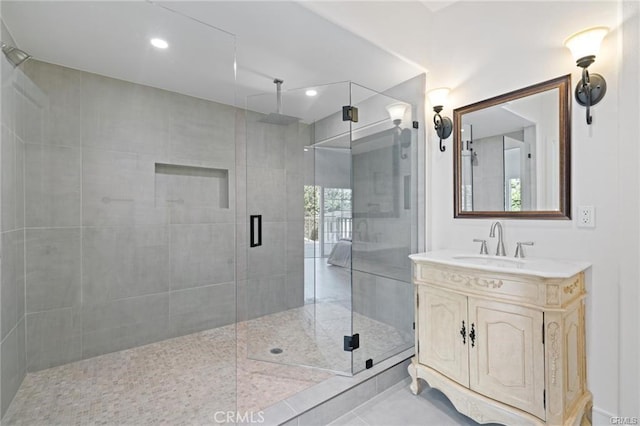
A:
[(351, 342), (350, 113), (544, 399), (416, 125)]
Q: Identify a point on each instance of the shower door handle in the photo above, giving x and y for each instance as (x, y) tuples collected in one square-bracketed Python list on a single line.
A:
[(256, 231)]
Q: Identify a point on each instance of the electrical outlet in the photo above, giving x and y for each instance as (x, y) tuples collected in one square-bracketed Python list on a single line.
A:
[(586, 217)]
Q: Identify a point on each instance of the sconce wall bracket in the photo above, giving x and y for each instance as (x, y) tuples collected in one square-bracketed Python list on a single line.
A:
[(598, 90), (442, 125), (445, 127), (590, 90)]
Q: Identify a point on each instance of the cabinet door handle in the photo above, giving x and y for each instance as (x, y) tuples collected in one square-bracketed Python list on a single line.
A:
[(472, 335), (463, 333)]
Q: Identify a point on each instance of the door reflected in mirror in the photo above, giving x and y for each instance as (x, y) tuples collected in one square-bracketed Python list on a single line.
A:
[(512, 154)]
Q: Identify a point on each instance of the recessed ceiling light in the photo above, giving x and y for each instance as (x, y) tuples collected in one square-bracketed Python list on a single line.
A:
[(159, 43), (311, 92)]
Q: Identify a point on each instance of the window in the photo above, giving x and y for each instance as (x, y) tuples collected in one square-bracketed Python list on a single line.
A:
[(515, 195), (336, 208), (327, 218)]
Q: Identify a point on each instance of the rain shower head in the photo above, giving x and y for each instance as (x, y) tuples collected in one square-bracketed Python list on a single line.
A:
[(14, 55), (277, 117)]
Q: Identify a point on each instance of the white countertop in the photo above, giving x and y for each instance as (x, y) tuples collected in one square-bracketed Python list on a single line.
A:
[(536, 266)]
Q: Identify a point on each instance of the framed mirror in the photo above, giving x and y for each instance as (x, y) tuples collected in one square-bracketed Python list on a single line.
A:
[(512, 156)]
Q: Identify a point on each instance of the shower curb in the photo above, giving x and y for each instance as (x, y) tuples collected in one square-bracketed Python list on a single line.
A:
[(328, 400)]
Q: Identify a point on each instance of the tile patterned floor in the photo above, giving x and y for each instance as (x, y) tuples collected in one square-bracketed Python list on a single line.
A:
[(187, 380), (398, 406)]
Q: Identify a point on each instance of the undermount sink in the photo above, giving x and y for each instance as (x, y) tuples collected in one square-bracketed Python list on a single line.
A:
[(498, 261), (541, 267)]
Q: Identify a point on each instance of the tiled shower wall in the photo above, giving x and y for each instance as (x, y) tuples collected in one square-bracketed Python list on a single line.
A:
[(274, 279), (15, 130), (131, 197), (110, 262)]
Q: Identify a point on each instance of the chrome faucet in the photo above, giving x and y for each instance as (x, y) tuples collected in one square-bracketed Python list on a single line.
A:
[(483, 246), (520, 249), (492, 233)]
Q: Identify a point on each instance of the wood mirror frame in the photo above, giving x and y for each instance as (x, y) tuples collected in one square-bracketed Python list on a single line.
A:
[(563, 85)]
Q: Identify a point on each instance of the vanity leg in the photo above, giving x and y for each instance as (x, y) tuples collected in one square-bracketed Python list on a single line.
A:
[(586, 416), (416, 385)]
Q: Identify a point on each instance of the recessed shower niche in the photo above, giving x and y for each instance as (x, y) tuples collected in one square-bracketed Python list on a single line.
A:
[(196, 187)]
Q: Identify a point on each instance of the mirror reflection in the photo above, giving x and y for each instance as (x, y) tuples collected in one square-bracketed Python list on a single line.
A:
[(512, 154)]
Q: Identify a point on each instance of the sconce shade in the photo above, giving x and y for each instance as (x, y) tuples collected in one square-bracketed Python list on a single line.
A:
[(586, 43), (397, 110), (438, 97), (14, 55)]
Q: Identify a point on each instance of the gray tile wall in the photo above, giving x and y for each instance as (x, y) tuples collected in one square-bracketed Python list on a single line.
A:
[(384, 299), (20, 121), (488, 174), (274, 189), (118, 255)]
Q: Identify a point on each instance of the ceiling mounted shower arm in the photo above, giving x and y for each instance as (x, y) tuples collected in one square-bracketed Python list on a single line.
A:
[(278, 83), (277, 117)]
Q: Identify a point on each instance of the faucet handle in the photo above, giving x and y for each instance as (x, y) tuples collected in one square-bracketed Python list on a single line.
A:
[(483, 246), (520, 250)]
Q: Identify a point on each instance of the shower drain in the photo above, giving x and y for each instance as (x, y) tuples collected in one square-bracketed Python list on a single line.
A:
[(276, 351)]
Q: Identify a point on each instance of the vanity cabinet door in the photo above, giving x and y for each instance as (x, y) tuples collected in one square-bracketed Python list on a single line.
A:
[(442, 346), (507, 357)]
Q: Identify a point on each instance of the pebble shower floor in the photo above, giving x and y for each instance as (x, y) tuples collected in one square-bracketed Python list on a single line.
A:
[(189, 379)]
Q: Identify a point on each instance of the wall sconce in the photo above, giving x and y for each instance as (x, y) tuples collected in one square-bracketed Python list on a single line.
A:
[(396, 112), (584, 46), (14, 55), (442, 125)]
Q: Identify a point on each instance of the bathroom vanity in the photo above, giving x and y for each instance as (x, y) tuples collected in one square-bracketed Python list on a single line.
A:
[(502, 338)]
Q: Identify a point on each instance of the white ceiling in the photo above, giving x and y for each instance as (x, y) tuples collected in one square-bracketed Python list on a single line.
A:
[(375, 43), (272, 39)]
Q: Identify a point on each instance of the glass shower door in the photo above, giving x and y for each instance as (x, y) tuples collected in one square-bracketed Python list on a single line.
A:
[(331, 219), (295, 305), (384, 187)]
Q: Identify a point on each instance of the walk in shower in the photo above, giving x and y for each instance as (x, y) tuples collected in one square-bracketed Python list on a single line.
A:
[(331, 205), (171, 254)]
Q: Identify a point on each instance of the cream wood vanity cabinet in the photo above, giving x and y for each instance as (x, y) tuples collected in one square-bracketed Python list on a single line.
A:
[(503, 339)]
